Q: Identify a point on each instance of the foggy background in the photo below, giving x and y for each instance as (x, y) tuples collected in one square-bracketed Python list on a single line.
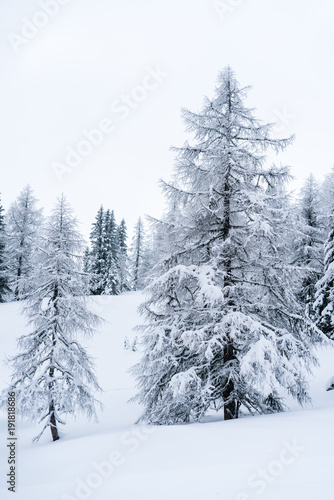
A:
[(73, 70)]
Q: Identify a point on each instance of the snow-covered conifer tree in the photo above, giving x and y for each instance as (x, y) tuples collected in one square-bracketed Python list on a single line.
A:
[(139, 256), (87, 261), (104, 255), (110, 255), (123, 260), (324, 297), (310, 241), (327, 200), (3, 270), (97, 253), (23, 222), (53, 375), (224, 329)]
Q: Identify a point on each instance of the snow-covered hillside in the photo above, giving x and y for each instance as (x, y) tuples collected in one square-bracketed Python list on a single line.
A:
[(274, 457)]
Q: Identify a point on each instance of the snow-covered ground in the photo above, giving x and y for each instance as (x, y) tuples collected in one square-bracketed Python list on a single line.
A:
[(286, 456)]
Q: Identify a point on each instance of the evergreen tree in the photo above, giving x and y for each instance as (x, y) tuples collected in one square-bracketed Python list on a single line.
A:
[(310, 241), (324, 297), (87, 264), (224, 329), (103, 262), (123, 261), (110, 272), (327, 200), (139, 256), (23, 222), (97, 266), (3, 271), (53, 375)]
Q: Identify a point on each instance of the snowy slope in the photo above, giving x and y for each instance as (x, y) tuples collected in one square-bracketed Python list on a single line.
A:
[(284, 456)]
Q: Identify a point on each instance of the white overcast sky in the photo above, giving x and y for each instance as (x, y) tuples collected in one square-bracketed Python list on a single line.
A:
[(67, 76)]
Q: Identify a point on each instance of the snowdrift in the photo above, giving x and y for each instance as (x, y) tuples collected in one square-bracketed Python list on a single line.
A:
[(274, 457)]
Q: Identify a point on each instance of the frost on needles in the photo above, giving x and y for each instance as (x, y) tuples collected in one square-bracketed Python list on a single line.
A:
[(23, 222), (224, 328), (53, 375)]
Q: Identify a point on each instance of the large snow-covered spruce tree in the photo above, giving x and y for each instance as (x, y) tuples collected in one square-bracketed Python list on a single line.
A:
[(224, 328), (53, 375)]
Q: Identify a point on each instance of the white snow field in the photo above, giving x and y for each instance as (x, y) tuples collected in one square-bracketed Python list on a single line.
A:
[(287, 456)]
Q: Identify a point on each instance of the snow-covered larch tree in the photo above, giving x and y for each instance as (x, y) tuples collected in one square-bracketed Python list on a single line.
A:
[(23, 223), (3, 269), (53, 375), (223, 327)]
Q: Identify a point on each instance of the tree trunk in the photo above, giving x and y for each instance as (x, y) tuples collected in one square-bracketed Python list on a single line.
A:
[(19, 272), (230, 405), (53, 422)]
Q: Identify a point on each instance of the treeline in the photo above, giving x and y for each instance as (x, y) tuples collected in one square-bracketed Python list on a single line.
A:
[(238, 274), (113, 265)]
